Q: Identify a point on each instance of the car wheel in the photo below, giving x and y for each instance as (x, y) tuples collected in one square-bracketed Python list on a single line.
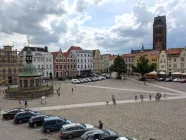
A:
[(48, 130), (35, 125), (70, 136), (20, 121)]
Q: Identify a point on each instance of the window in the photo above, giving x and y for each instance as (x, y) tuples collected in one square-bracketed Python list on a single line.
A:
[(81, 55), (61, 67), (164, 61), (56, 60), (161, 61), (50, 66), (174, 65), (47, 73), (81, 66), (74, 66), (46, 66), (38, 66), (85, 66), (85, 55), (88, 55), (85, 60), (81, 60), (169, 66), (34, 59), (78, 66), (56, 66), (174, 59), (64, 66), (169, 59), (182, 65), (162, 66), (162, 55), (182, 59)]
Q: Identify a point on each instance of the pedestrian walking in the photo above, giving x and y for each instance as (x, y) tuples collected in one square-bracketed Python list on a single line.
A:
[(20, 102), (150, 96), (100, 124), (26, 103), (72, 90), (136, 97), (113, 99), (58, 93), (141, 96)]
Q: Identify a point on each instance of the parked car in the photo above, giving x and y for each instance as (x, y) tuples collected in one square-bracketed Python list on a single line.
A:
[(168, 80), (183, 81), (75, 81), (61, 78), (160, 79), (24, 116), (74, 130), (85, 80), (100, 135), (81, 80), (93, 79), (176, 80), (38, 120), (106, 76), (11, 113), (54, 123), (89, 80), (126, 138)]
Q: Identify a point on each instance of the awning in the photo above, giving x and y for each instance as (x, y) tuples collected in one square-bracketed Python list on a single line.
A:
[(176, 73), (162, 73), (183, 74), (152, 73)]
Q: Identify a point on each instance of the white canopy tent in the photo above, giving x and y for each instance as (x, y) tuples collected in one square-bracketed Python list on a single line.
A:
[(152, 73), (161, 73), (176, 73), (184, 74)]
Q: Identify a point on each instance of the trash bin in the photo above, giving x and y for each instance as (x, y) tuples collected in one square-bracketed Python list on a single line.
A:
[(43, 100)]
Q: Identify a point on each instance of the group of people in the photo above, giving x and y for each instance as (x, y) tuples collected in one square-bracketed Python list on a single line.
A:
[(157, 97), (25, 102)]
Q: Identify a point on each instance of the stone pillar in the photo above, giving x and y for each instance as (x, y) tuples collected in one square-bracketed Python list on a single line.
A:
[(28, 82), (23, 83)]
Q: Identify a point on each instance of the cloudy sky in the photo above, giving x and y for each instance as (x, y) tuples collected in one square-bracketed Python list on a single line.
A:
[(113, 26)]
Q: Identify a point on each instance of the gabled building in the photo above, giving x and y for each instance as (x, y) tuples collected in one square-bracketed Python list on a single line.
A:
[(163, 61), (97, 62), (10, 65), (64, 64), (105, 62), (42, 59)]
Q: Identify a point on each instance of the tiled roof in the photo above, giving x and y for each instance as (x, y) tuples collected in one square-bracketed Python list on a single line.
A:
[(174, 51), (112, 57), (127, 55), (34, 49)]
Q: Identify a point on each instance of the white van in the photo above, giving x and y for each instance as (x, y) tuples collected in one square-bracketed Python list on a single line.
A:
[(75, 81)]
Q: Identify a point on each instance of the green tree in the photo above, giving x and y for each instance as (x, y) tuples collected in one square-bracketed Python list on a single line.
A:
[(118, 66), (144, 67)]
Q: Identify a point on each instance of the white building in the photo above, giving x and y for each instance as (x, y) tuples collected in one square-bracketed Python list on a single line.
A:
[(42, 59), (84, 60)]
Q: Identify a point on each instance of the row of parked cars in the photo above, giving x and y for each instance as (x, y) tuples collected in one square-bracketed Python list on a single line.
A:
[(66, 128), (90, 79), (169, 79)]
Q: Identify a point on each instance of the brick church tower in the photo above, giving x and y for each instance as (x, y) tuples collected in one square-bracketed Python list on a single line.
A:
[(159, 33)]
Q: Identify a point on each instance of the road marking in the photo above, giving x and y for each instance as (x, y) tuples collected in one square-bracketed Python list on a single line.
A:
[(124, 89)]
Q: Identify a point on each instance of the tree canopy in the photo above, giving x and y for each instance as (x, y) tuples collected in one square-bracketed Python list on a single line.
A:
[(143, 66), (118, 66)]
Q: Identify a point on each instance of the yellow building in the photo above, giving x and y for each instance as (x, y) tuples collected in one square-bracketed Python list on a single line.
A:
[(10, 65), (152, 56)]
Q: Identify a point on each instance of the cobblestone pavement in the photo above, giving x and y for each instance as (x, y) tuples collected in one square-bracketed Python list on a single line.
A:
[(162, 120), (10, 131), (122, 89)]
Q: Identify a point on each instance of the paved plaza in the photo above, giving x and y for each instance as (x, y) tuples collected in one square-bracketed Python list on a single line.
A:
[(163, 120)]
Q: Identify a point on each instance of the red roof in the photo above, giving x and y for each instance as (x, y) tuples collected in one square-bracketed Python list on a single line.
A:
[(174, 51), (112, 57), (128, 55)]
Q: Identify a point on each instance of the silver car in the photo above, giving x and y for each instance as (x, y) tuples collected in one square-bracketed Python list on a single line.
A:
[(74, 130)]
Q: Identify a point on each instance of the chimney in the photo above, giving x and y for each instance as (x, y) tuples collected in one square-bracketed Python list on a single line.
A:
[(46, 48)]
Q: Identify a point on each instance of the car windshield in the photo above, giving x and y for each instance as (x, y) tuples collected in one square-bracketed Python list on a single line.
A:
[(83, 125), (106, 132)]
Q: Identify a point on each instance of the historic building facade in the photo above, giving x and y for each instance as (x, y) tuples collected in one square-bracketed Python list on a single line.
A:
[(129, 61), (111, 59), (105, 62), (64, 64), (163, 61), (42, 59), (97, 62), (84, 60), (159, 33), (10, 65), (175, 63)]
